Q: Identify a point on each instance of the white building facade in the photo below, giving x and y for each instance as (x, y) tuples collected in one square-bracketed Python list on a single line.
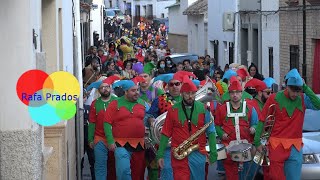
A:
[(221, 31), (43, 37), (270, 39), (97, 19)]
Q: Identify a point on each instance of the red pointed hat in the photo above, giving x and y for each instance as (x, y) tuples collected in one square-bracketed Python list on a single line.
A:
[(181, 74), (111, 79), (137, 79), (235, 84), (243, 73), (256, 84), (188, 85)]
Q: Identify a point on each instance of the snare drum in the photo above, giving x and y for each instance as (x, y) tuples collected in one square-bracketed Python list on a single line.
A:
[(240, 152), (221, 150)]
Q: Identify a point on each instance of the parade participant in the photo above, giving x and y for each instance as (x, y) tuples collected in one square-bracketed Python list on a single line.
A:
[(226, 77), (96, 136), (125, 130), (270, 82), (285, 142), (226, 127), (126, 47), (184, 119), (160, 105), (147, 91), (260, 93)]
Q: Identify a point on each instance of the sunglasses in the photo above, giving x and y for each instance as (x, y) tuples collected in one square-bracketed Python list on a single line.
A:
[(174, 84), (268, 92)]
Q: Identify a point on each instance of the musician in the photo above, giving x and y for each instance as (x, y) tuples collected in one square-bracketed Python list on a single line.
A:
[(259, 91), (147, 92), (225, 127), (285, 142), (183, 120), (96, 136), (226, 78), (126, 137)]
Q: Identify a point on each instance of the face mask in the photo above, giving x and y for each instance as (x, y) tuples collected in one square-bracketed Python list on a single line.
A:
[(211, 64), (162, 65), (168, 62)]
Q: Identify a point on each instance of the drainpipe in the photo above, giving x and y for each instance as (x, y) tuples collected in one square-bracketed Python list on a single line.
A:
[(304, 63), (260, 40)]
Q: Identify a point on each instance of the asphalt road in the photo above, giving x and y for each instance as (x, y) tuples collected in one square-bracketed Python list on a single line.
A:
[(212, 174)]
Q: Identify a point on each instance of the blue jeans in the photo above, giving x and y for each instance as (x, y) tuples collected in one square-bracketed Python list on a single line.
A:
[(101, 157), (167, 173), (197, 164), (293, 165)]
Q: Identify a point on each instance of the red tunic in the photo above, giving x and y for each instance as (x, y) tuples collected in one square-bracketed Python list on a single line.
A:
[(126, 126), (286, 130), (97, 118), (228, 127)]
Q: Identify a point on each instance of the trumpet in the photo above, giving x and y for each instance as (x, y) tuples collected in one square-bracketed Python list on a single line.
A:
[(262, 157)]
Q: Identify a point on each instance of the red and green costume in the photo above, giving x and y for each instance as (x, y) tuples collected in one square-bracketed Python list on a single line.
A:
[(224, 124), (96, 135), (285, 142), (176, 126), (128, 130)]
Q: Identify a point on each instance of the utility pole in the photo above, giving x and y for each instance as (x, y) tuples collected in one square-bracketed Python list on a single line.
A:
[(304, 64)]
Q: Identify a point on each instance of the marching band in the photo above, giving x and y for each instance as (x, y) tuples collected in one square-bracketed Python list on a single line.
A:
[(246, 126)]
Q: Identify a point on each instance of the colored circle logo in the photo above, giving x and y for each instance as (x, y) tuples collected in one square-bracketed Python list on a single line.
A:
[(50, 98)]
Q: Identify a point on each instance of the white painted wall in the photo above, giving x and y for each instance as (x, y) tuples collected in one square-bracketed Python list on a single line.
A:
[(67, 36), (215, 27), (270, 38), (196, 35), (97, 19), (18, 51), (161, 8)]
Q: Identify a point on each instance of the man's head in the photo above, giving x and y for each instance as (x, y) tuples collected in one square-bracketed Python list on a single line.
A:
[(174, 87), (146, 81), (95, 64), (132, 94), (188, 91), (294, 84), (129, 56), (100, 52), (235, 90), (111, 66), (259, 89), (179, 66), (186, 63), (93, 50), (105, 90)]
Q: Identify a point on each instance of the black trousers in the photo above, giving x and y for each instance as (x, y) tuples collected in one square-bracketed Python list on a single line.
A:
[(87, 149)]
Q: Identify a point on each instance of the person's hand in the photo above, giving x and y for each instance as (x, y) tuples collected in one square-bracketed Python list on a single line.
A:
[(252, 130), (161, 163), (225, 136), (112, 147), (260, 148), (151, 122), (91, 145)]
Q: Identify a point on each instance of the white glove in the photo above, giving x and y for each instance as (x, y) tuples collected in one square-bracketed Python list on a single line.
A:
[(252, 130)]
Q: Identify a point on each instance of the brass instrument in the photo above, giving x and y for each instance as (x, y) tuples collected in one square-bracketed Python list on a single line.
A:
[(262, 157), (186, 148), (206, 93)]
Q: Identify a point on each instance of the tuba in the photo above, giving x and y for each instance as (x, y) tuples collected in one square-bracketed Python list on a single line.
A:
[(259, 158), (206, 93)]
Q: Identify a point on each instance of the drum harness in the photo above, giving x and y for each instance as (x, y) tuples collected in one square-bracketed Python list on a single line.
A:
[(238, 140)]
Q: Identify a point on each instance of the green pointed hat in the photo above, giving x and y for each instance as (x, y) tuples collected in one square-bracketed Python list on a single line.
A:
[(148, 67)]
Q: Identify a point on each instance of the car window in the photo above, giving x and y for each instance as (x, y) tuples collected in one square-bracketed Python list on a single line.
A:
[(111, 13), (178, 59), (311, 120), (119, 13)]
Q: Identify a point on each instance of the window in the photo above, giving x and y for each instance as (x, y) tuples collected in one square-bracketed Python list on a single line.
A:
[(162, 15), (231, 48), (110, 3), (270, 61), (294, 56), (215, 49)]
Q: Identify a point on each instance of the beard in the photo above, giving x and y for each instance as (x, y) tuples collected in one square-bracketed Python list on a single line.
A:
[(105, 95), (264, 99), (188, 102)]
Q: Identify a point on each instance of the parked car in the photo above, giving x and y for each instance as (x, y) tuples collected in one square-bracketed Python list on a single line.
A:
[(311, 147), (180, 57), (110, 13)]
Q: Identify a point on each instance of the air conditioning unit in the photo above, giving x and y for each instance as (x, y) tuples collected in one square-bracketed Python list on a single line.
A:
[(228, 21)]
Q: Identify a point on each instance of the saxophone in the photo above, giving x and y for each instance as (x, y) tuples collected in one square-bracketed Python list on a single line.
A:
[(186, 148)]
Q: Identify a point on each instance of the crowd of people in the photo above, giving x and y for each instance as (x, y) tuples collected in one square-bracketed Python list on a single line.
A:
[(130, 81)]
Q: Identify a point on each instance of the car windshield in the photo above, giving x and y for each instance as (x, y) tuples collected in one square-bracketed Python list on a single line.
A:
[(119, 13), (311, 120), (111, 13), (182, 58)]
